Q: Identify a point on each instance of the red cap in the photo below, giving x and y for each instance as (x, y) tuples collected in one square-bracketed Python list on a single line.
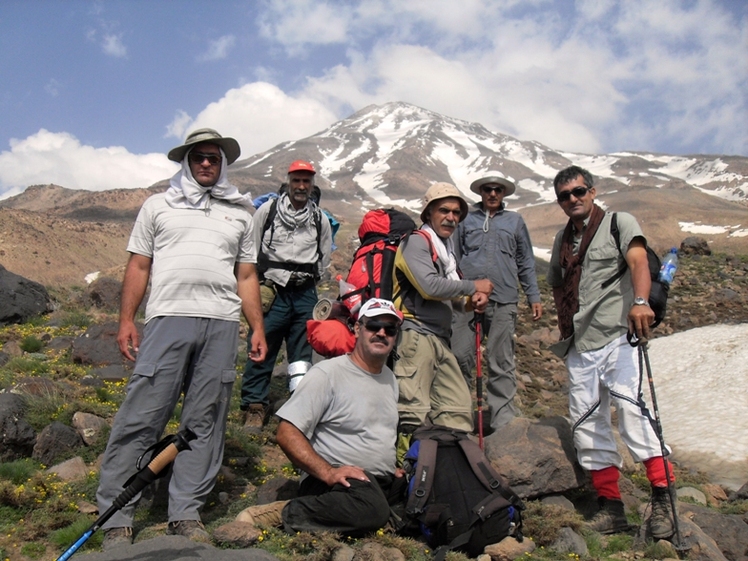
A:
[(301, 165)]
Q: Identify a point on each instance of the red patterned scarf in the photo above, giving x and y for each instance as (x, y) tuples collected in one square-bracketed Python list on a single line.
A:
[(567, 295)]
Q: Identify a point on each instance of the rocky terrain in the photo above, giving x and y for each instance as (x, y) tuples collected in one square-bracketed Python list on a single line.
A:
[(532, 453)]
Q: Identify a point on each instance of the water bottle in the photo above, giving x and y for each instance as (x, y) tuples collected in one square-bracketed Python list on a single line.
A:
[(669, 266), (354, 302)]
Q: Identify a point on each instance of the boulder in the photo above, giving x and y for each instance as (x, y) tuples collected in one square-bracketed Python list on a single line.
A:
[(729, 531), (535, 456), (509, 549), (98, 345), (21, 299), (90, 427), (277, 489), (568, 541), (17, 437), (55, 440), (70, 470), (104, 293), (693, 245)]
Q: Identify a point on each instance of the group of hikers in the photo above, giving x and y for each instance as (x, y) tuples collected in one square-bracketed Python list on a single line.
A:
[(351, 419)]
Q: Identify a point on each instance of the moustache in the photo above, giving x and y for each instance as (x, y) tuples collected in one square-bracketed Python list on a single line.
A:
[(378, 339), (450, 223)]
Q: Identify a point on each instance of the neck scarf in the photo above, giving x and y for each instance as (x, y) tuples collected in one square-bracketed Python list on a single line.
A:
[(567, 295), (185, 192), (445, 251), (291, 217)]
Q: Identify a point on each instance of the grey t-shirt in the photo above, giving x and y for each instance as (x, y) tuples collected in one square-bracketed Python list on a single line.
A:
[(348, 415)]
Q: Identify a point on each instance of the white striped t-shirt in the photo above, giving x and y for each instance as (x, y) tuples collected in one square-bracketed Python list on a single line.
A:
[(193, 254)]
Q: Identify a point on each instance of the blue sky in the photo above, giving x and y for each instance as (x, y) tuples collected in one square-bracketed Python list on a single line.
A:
[(93, 93)]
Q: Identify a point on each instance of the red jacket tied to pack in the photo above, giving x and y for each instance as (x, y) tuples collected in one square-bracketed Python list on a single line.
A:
[(370, 276)]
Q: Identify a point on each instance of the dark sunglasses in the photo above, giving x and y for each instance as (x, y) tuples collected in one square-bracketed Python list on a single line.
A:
[(390, 329), (198, 158), (578, 193), (487, 189)]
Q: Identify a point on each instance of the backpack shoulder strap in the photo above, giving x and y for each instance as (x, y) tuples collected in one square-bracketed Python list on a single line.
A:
[(424, 476), (263, 263), (490, 479), (617, 237)]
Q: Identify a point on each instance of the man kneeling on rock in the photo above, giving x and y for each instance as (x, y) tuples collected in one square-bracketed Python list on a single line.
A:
[(340, 428)]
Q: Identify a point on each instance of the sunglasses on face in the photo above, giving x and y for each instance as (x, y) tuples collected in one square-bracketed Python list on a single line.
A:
[(487, 189), (578, 192), (390, 329), (199, 157)]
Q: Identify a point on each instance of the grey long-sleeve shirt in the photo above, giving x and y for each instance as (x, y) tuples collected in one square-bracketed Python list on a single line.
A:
[(502, 254)]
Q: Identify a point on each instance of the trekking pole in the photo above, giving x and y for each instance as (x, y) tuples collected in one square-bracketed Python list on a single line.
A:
[(679, 545), (164, 453), (478, 320)]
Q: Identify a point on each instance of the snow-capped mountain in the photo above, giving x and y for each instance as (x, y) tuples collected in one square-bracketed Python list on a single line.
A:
[(388, 155)]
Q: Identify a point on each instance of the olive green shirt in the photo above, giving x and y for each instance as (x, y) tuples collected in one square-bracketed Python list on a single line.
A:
[(603, 312)]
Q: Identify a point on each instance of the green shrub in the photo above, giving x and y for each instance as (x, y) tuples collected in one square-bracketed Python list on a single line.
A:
[(33, 550), (31, 344), (75, 319), (67, 536), (18, 471)]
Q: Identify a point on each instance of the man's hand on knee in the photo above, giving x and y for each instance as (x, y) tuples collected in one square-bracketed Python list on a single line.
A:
[(342, 474)]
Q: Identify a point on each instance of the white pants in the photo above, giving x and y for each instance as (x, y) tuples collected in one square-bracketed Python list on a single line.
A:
[(597, 379)]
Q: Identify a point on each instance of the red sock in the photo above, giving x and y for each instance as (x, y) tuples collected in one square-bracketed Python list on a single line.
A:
[(605, 482), (656, 471)]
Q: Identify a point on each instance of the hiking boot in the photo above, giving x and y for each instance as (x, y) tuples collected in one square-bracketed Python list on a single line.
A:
[(254, 418), (114, 537), (263, 515), (610, 519), (191, 529), (661, 524)]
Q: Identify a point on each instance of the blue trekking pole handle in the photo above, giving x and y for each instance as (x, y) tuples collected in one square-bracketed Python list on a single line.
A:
[(173, 445)]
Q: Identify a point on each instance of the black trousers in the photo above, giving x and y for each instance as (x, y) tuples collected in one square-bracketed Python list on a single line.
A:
[(352, 511)]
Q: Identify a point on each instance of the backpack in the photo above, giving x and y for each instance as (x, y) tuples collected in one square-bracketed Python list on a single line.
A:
[(659, 292), (370, 274), (263, 261), (455, 496)]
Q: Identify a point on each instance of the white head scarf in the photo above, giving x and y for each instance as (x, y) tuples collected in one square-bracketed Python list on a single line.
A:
[(185, 192)]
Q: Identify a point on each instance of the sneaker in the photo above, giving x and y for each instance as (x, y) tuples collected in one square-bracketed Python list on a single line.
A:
[(263, 515), (661, 524), (254, 418), (610, 519), (192, 529), (114, 537)]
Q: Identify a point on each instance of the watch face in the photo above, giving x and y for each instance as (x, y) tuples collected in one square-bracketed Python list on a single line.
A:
[(639, 301)]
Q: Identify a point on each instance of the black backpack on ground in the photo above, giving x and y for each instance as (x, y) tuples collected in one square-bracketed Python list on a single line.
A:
[(456, 499), (659, 292)]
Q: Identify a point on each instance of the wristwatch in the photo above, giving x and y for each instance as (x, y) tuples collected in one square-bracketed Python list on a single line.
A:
[(639, 301)]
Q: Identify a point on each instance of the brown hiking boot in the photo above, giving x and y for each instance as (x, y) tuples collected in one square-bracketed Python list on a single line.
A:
[(610, 519), (661, 524), (115, 537), (268, 515), (254, 418), (191, 529)]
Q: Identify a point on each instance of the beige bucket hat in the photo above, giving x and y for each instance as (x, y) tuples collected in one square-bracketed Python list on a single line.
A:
[(509, 187), (443, 190), (229, 145)]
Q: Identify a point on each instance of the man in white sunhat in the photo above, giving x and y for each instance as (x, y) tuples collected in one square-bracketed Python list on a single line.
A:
[(193, 243), (339, 427), (426, 282), (292, 242), (494, 241)]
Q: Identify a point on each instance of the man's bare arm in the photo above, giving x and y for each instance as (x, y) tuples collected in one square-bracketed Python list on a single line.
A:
[(639, 317), (248, 289), (134, 285), (298, 449)]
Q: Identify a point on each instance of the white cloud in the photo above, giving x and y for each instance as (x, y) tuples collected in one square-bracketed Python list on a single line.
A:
[(595, 76), (52, 87), (112, 45), (259, 116), (48, 157), (218, 49)]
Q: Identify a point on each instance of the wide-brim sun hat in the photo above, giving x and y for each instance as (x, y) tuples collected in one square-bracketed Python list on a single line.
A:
[(443, 190), (509, 186), (229, 145)]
